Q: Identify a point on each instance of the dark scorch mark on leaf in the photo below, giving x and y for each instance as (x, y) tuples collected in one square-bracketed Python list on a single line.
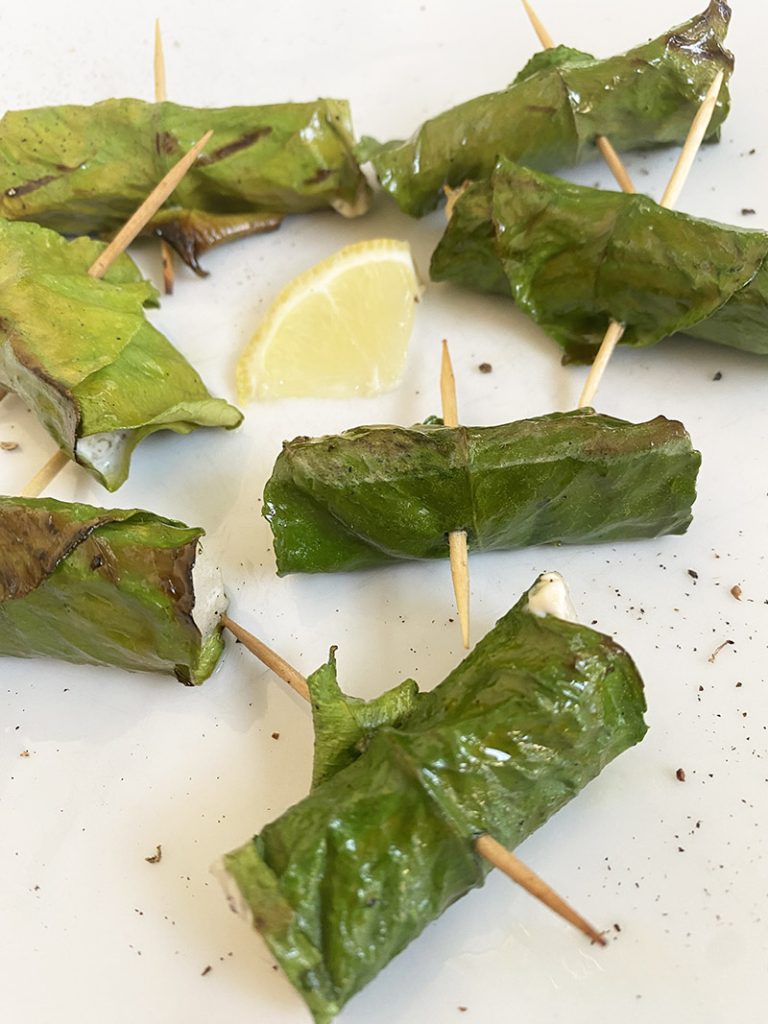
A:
[(166, 143), (243, 142), (30, 186), (319, 176)]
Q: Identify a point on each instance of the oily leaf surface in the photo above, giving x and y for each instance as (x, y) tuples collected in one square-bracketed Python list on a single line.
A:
[(101, 587), (550, 115), (380, 494), (85, 169), (345, 879), (82, 355), (574, 257)]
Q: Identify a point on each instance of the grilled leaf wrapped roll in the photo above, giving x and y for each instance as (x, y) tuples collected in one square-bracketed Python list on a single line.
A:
[(552, 112), (380, 494), (575, 257), (346, 878), (81, 354), (118, 587), (84, 170)]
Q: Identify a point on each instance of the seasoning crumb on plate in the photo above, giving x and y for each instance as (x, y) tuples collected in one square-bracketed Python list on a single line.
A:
[(736, 591), (719, 648), (9, 446), (156, 857), (680, 774), (485, 368)]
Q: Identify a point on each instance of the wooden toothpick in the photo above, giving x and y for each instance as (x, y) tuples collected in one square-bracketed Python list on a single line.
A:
[(693, 141), (43, 476), (603, 143), (485, 845), (672, 192), (513, 868), (160, 96), (457, 539), (159, 65), (268, 657), (148, 209), (544, 37), (101, 265)]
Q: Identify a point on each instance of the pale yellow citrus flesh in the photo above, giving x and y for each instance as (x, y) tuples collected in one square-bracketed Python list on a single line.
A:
[(338, 330)]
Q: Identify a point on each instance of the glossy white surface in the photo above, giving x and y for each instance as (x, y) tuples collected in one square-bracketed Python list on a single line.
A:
[(89, 931)]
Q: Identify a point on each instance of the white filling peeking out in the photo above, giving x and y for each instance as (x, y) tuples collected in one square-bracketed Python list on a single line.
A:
[(550, 596), (208, 588), (237, 902), (103, 452)]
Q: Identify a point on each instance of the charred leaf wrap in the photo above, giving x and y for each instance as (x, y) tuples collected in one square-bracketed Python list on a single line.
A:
[(380, 494), (574, 257), (103, 587), (84, 170), (347, 878), (82, 355), (561, 100)]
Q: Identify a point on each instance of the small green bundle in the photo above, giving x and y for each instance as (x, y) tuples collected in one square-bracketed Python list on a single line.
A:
[(116, 587), (551, 114), (81, 354), (382, 494), (574, 258), (84, 170), (345, 879)]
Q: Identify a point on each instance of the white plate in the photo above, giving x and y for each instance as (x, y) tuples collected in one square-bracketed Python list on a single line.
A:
[(118, 763)]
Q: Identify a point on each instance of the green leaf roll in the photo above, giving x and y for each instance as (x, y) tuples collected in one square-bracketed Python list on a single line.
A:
[(551, 114), (345, 879), (574, 257), (117, 587), (81, 354), (381, 494), (84, 169)]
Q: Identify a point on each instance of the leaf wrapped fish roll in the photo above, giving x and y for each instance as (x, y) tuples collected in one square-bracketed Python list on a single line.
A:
[(574, 257), (81, 354), (117, 587), (345, 879), (84, 169), (382, 494), (551, 114)]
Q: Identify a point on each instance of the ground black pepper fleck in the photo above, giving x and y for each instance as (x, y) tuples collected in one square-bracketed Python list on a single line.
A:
[(680, 775), (485, 368)]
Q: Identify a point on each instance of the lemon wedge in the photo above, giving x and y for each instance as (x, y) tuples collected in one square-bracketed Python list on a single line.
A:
[(338, 330)]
